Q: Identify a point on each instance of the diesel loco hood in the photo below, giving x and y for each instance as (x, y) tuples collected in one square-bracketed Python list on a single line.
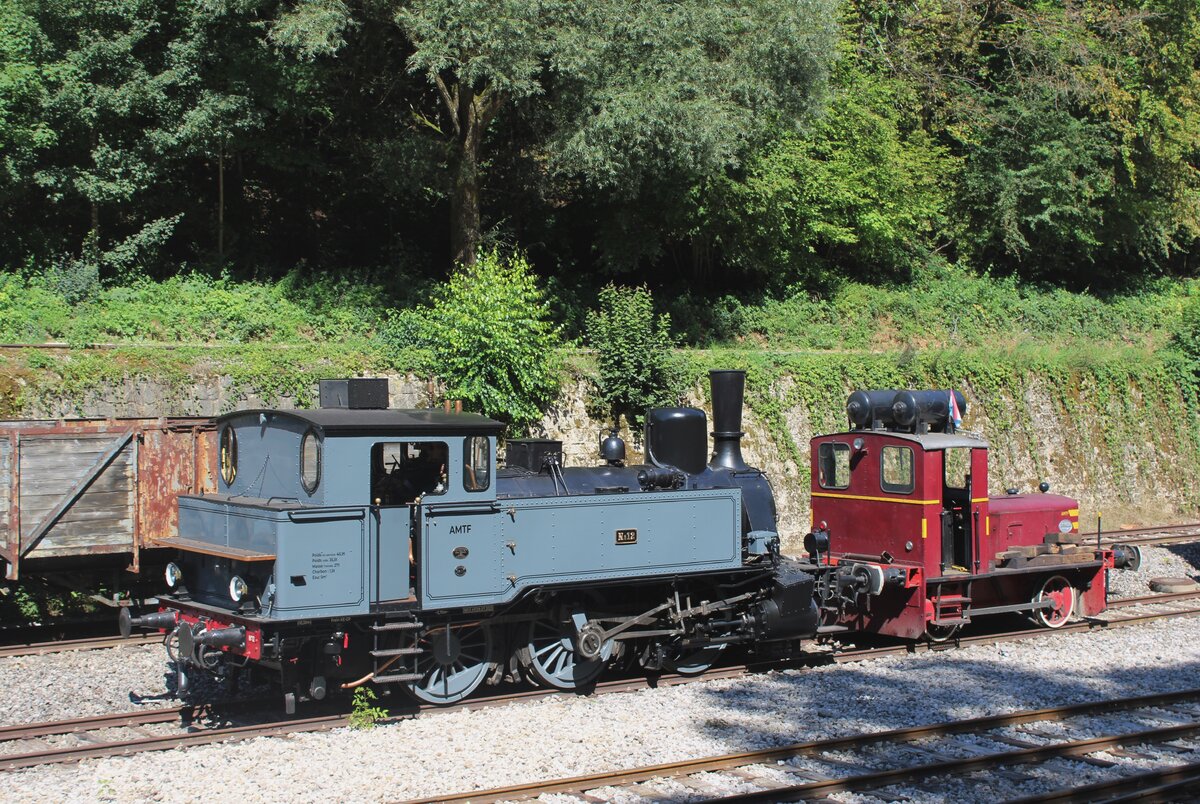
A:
[(1031, 503)]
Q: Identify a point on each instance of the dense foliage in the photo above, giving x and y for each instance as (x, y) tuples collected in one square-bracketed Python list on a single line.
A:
[(740, 146)]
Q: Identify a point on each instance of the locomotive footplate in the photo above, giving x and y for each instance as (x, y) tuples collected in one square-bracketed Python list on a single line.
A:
[(1008, 573)]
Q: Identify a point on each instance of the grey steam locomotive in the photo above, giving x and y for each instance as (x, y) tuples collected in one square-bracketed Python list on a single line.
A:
[(354, 544)]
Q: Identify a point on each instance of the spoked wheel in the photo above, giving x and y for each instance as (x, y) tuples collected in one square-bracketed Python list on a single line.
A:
[(941, 633), (1058, 590), (549, 656), (455, 662), (694, 662)]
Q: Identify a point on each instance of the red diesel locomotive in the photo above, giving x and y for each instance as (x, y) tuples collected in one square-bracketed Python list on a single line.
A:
[(913, 546)]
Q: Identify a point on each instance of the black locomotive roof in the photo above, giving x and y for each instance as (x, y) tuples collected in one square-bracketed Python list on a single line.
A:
[(400, 422)]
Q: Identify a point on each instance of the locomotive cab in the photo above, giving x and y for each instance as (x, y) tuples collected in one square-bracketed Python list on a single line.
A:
[(308, 501), (910, 496)]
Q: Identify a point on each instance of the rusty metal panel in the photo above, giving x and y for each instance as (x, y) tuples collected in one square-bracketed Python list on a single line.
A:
[(171, 461), (206, 459)]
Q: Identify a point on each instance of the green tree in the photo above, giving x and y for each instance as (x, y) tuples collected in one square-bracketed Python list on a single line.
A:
[(1076, 121), (24, 132), (638, 369), (1039, 184), (616, 92), (492, 341), (864, 192)]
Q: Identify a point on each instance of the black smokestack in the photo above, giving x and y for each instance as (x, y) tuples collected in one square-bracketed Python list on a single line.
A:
[(728, 393)]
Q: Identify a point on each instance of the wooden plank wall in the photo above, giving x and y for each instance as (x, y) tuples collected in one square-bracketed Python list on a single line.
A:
[(102, 516)]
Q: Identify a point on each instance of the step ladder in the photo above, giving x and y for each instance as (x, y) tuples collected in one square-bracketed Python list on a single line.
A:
[(396, 665), (953, 608)]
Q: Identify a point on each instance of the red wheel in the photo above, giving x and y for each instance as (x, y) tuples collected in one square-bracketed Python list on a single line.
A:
[(1059, 591)]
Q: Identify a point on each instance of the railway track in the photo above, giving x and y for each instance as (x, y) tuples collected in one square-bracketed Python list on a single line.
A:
[(86, 643), (198, 734), (213, 724), (934, 753), (1157, 536), (204, 725)]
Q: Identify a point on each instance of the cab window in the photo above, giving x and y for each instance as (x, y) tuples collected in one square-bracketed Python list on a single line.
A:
[(403, 472), (228, 450), (477, 463), (896, 471), (310, 461), (957, 467), (833, 469)]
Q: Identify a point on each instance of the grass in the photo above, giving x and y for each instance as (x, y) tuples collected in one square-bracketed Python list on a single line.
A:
[(276, 338), (950, 308), (943, 308), (190, 308)]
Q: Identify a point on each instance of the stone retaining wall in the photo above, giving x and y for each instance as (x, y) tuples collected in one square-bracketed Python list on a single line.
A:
[(1150, 484)]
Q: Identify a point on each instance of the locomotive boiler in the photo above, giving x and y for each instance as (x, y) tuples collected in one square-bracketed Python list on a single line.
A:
[(353, 544)]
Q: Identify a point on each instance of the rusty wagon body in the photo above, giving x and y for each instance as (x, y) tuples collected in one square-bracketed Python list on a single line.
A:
[(76, 492)]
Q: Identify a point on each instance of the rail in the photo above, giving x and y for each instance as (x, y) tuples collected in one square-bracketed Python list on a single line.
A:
[(820, 787)]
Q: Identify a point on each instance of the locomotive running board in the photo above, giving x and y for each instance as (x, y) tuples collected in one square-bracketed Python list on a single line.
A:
[(218, 550)]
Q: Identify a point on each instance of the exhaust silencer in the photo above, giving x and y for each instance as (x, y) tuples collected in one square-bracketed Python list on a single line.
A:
[(1127, 556), (159, 619)]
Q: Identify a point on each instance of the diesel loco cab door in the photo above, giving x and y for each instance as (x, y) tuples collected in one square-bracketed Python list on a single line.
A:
[(957, 489)]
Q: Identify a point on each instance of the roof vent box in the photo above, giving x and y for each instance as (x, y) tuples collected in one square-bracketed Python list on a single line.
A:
[(355, 393)]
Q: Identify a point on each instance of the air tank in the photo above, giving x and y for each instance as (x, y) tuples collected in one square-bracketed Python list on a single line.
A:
[(929, 407), (865, 408)]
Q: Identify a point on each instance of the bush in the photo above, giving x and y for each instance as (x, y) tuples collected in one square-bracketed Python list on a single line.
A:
[(638, 369), (703, 321), (1186, 337), (491, 339), (950, 306), (30, 312)]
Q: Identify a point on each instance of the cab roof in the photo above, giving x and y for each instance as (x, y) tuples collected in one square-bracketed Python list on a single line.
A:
[(343, 421), (927, 441)]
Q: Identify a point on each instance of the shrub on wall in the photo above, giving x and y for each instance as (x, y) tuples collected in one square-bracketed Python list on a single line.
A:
[(634, 354), (1186, 337), (491, 339)]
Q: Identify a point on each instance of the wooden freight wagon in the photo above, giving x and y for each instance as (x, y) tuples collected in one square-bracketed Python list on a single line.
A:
[(77, 489)]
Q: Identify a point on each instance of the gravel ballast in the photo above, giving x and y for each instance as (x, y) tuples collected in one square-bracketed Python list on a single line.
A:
[(453, 751)]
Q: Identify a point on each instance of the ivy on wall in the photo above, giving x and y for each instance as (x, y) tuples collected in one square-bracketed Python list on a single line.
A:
[(1123, 412)]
